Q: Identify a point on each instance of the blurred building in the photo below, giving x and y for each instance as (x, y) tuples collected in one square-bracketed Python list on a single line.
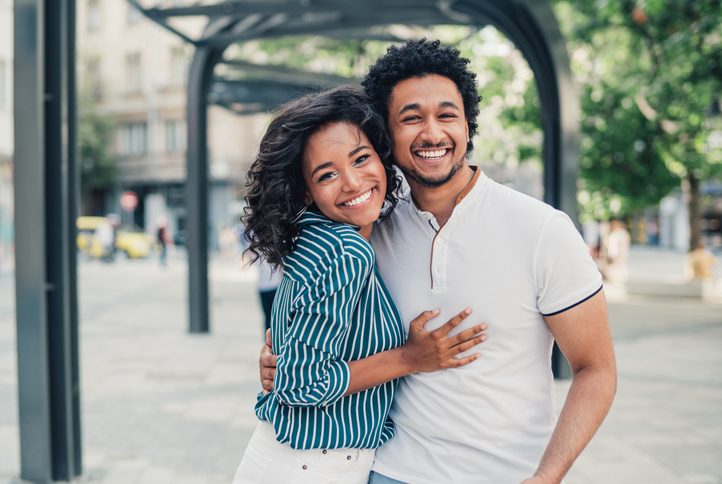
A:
[(6, 135), (135, 72)]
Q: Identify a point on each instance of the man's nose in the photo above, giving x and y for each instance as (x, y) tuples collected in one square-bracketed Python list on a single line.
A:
[(432, 132)]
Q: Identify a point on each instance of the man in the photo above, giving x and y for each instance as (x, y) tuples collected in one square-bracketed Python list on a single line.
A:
[(457, 240)]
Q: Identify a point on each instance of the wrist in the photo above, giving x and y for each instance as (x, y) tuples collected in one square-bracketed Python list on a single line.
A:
[(543, 477), (403, 361)]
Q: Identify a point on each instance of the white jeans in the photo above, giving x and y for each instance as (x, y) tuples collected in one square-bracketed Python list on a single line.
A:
[(268, 461)]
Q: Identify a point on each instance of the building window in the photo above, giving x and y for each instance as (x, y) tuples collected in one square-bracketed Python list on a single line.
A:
[(134, 139), (175, 135), (134, 15), (3, 85), (179, 67), (92, 70), (95, 17), (133, 72)]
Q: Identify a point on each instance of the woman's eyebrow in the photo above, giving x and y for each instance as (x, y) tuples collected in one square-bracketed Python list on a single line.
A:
[(353, 152), (321, 167)]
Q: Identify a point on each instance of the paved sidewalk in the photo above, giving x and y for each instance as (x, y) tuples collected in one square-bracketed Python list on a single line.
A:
[(163, 406)]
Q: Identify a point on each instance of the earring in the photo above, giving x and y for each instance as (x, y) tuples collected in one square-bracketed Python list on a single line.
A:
[(300, 212)]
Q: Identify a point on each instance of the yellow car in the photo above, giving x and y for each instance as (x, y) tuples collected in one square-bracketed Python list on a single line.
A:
[(129, 238)]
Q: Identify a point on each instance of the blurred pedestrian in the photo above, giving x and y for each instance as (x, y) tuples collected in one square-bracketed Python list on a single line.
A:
[(700, 262), (618, 243), (105, 233), (268, 282), (164, 239)]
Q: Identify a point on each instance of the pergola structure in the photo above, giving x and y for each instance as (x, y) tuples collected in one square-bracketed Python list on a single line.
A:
[(46, 178), (530, 24)]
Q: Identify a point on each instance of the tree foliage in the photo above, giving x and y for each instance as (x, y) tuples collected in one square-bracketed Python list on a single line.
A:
[(650, 73), (95, 136)]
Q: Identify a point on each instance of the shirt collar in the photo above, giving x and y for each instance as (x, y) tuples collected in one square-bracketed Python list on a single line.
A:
[(311, 217)]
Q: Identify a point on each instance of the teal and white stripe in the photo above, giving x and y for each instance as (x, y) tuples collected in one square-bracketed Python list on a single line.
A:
[(331, 307)]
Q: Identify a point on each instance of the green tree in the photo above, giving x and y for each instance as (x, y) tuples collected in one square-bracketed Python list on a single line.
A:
[(98, 170), (650, 72)]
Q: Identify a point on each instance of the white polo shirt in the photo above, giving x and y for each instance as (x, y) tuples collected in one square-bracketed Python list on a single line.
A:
[(512, 259)]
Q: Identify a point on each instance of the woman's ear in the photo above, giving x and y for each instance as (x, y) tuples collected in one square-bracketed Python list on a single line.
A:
[(307, 199)]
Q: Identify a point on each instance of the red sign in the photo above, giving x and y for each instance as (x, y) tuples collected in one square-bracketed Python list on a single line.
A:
[(129, 200)]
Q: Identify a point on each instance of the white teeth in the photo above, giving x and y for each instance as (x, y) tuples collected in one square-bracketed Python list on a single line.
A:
[(431, 154), (361, 198)]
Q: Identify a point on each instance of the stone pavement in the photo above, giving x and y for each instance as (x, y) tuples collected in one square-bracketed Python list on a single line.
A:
[(163, 406)]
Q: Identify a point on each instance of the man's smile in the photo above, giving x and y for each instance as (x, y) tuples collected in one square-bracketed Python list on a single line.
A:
[(432, 155)]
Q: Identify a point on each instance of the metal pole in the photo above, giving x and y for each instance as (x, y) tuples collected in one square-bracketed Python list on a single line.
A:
[(46, 204), (30, 283), (199, 79)]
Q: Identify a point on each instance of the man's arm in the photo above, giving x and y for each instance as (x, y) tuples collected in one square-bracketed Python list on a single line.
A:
[(267, 364), (584, 337)]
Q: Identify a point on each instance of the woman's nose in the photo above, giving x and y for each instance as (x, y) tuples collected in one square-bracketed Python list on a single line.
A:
[(351, 181)]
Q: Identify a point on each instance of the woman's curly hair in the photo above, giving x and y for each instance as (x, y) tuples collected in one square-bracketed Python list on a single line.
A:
[(419, 58), (275, 183)]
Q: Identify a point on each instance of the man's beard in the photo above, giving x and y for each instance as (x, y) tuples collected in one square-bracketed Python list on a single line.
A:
[(429, 182)]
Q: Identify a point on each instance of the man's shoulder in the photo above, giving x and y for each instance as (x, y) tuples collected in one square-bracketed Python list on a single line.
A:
[(508, 201)]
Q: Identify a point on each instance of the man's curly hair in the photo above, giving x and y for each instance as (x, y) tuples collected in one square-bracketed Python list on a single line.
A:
[(275, 183), (419, 58)]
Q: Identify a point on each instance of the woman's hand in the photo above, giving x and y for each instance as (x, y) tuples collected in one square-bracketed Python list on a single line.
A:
[(435, 350)]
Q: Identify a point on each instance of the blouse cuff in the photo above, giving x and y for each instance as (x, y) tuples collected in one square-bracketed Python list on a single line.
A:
[(339, 378)]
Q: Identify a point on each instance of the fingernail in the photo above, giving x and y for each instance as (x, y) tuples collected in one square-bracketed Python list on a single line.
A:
[(435, 311), (467, 311)]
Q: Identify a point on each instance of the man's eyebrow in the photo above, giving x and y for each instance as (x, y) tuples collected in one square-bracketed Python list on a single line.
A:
[(321, 167), (448, 104), (410, 107), (415, 106), (353, 152)]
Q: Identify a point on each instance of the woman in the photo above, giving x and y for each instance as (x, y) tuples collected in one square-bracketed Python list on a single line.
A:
[(317, 186)]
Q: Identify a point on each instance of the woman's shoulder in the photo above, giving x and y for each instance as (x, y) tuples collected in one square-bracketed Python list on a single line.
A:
[(321, 241)]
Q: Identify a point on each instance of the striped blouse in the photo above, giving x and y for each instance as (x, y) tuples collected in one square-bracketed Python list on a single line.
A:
[(331, 307)]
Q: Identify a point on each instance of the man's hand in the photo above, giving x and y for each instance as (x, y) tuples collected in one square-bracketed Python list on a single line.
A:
[(436, 350), (267, 364)]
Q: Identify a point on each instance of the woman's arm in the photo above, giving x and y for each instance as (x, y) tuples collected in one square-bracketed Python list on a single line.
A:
[(423, 351), (418, 354)]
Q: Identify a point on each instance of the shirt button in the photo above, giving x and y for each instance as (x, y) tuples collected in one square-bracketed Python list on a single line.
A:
[(305, 467), (348, 458), (438, 269), (440, 241)]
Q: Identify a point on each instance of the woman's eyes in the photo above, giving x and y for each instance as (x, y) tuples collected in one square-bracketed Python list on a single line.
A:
[(361, 159), (327, 176)]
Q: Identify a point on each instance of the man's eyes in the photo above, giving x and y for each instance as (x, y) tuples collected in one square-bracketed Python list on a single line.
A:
[(416, 118)]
